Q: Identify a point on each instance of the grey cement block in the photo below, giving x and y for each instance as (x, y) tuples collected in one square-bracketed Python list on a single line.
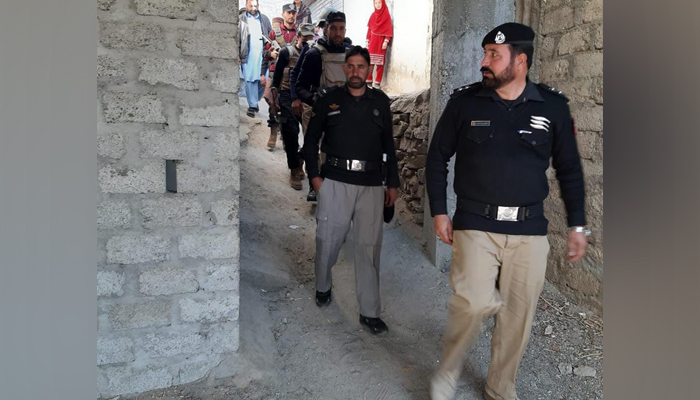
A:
[(171, 212), (179, 73), (111, 145), (588, 65), (127, 380), (113, 215), (136, 249), (195, 180), (588, 118), (223, 309), (223, 10), (574, 41), (120, 179), (131, 35), (166, 281), (110, 66), (168, 345), (227, 146), (169, 145), (181, 9), (554, 70), (224, 338), (114, 350), (558, 20), (132, 107), (209, 246), (223, 115), (190, 372), (110, 283), (226, 79), (140, 315), (209, 43), (105, 4), (221, 277), (593, 11), (225, 212)]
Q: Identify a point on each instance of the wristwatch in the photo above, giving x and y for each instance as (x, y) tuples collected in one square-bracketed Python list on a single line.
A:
[(580, 229)]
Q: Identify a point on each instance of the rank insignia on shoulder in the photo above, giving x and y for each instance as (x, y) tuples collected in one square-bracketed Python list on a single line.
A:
[(553, 90), (465, 89)]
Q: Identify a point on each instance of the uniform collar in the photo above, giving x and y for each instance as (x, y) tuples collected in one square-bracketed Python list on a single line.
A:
[(369, 93), (530, 93)]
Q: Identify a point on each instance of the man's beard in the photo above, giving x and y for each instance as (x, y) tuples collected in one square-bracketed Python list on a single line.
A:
[(338, 42), (356, 82), (494, 82)]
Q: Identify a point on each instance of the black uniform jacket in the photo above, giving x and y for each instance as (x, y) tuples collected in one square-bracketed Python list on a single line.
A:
[(352, 129), (503, 152)]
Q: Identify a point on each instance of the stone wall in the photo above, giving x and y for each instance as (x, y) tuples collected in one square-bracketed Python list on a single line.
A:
[(570, 57), (167, 267), (411, 114)]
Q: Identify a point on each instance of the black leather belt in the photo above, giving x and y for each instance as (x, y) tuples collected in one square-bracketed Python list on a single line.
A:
[(501, 213), (354, 165)]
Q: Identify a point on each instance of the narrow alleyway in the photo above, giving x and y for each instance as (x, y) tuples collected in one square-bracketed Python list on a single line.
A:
[(296, 351)]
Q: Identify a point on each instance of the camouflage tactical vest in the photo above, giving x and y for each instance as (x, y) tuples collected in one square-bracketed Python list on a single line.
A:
[(293, 57), (331, 66)]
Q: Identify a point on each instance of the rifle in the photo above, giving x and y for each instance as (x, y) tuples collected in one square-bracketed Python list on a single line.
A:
[(275, 111), (273, 43)]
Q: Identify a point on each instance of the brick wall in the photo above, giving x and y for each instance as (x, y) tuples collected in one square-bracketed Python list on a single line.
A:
[(570, 57), (167, 267)]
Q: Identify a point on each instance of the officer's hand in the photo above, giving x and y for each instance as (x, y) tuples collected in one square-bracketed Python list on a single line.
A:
[(317, 182), (576, 244), (296, 106), (390, 196), (443, 228)]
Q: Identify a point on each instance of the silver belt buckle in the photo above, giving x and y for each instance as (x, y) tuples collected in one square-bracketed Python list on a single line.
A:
[(507, 214), (356, 165)]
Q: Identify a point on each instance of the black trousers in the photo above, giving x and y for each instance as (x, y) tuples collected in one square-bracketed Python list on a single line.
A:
[(289, 125)]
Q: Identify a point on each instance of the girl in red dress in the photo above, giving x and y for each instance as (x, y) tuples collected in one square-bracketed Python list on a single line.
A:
[(379, 34)]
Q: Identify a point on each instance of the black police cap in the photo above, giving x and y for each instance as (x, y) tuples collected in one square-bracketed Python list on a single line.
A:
[(509, 33), (335, 16), (289, 7)]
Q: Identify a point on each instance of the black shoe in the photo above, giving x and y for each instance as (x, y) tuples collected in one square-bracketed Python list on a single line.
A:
[(250, 112), (375, 325), (323, 299), (312, 195)]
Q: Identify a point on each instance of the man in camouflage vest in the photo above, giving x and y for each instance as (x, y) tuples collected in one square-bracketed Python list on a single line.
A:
[(281, 93)]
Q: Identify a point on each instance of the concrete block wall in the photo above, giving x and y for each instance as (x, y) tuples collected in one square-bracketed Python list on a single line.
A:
[(570, 58), (167, 267)]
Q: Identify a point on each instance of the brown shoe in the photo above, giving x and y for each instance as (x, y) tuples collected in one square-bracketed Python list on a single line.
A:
[(294, 180), (272, 141), (300, 170)]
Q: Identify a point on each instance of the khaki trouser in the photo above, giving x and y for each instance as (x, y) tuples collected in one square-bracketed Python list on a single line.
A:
[(305, 116), (339, 205), (494, 274)]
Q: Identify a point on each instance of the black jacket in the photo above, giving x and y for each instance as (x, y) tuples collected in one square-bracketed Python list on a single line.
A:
[(503, 152), (354, 129)]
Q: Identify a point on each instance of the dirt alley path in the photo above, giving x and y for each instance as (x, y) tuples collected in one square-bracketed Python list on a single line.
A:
[(295, 351)]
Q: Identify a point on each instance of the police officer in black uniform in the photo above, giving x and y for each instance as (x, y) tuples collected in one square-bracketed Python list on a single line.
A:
[(357, 132), (504, 131)]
